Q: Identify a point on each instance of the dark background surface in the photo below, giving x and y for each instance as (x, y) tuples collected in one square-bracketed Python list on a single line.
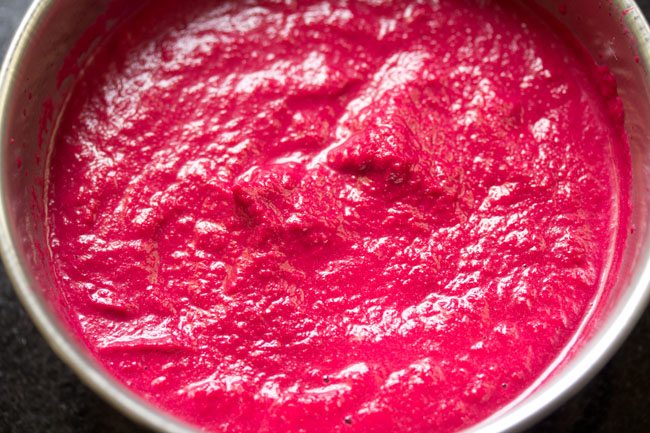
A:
[(38, 393)]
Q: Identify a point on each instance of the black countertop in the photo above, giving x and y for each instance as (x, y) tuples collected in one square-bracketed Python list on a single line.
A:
[(38, 393)]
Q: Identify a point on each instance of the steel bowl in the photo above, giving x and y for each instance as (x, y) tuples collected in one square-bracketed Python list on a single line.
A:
[(32, 90)]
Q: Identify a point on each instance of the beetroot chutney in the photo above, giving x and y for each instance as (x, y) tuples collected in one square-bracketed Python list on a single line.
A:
[(336, 216)]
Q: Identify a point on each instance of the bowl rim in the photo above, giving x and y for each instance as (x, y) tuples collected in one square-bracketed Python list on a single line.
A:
[(591, 359)]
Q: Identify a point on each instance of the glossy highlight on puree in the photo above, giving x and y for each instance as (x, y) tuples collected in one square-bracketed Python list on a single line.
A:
[(356, 216)]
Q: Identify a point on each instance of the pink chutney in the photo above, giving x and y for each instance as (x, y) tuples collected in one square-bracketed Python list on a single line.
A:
[(336, 216)]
